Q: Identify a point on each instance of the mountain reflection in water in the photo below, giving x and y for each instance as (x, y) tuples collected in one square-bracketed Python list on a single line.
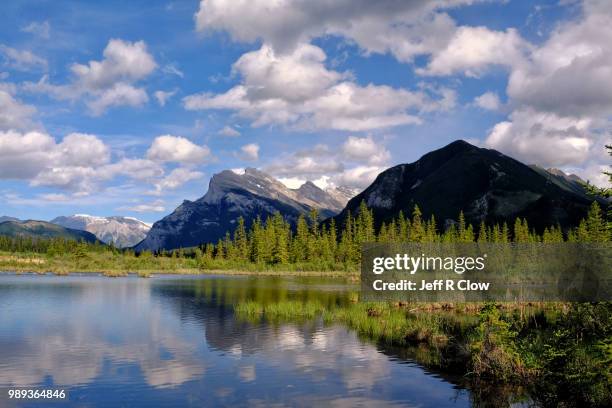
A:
[(174, 341)]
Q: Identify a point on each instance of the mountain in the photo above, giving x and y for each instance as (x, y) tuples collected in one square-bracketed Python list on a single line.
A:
[(570, 182), (121, 231), (42, 229), (4, 218), (308, 193), (342, 194), (486, 184), (231, 195)]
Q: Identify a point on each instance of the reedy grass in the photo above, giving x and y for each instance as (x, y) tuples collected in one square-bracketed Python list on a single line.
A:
[(511, 343), (121, 264)]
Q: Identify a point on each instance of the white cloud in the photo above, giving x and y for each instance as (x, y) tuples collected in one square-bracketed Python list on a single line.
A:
[(123, 61), (541, 138), (571, 72), (155, 206), (168, 148), (562, 96), (40, 29), (138, 169), (78, 178), (163, 96), (13, 113), (298, 91), (80, 162), (79, 149), (55, 197), (365, 149), (594, 174), (172, 69), (488, 101), (229, 132), (24, 155), (295, 77), (357, 177), (473, 49), (108, 82), (355, 164), (22, 60), (250, 152), (177, 178), (403, 28), (120, 94)]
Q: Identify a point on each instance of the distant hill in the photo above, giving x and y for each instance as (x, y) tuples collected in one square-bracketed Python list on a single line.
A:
[(4, 218), (232, 195), (42, 229), (121, 231), (486, 184)]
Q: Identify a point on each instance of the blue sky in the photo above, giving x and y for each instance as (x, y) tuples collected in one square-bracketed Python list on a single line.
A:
[(128, 108)]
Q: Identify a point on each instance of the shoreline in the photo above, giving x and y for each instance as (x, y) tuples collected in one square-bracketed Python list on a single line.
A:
[(352, 276)]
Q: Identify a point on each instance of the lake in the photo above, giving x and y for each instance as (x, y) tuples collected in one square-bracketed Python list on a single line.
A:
[(174, 341)]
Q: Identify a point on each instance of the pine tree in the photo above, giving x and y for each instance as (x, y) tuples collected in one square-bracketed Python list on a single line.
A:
[(241, 240), (596, 225), (482, 232), (417, 230)]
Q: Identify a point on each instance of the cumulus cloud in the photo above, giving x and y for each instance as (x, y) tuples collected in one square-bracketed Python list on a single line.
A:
[(250, 152), (168, 148), (542, 138), (358, 177), (488, 101), (120, 94), (108, 82), (570, 73), (13, 113), (24, 155), (79, 149), (562, 96), (403, 28), (79, 162), (298, 91), (22, 60), (473, 49), (365, 149), (177, 178), (354, 164), (123, 61)]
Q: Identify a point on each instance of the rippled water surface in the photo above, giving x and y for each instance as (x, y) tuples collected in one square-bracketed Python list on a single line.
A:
[(174, 341)]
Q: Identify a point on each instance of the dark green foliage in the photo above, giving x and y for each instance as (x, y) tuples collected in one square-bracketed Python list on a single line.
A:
[(273, 242)]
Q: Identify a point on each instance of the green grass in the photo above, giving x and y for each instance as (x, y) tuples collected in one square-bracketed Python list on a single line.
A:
[(562, 351), (121, 264)]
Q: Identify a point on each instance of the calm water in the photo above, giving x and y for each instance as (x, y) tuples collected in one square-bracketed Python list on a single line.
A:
[(174, 342)]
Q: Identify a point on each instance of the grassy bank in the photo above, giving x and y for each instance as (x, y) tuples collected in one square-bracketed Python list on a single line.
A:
[(122, 264), (563, 352)]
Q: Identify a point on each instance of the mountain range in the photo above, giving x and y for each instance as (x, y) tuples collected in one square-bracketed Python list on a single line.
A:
[(485, 184), (121, 231), (43, 229), (249, 194)]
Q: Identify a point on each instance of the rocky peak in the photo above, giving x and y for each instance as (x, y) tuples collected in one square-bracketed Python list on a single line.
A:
[(121, 231)]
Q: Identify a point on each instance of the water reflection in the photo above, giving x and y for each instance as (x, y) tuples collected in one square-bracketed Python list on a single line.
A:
[(175, 342)]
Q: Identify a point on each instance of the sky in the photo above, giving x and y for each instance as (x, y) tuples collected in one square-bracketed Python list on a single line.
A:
[(129, 107)]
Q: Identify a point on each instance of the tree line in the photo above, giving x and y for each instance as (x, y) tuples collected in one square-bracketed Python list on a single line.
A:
[(275, 242)]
